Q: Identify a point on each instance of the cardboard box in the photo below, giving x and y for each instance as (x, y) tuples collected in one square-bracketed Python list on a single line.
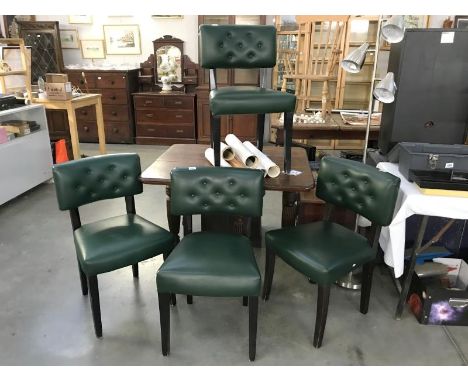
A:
[(56, 78), (58, 91), (441, 300)]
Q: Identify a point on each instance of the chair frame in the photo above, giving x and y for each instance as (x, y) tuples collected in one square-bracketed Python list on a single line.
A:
[(165, 300), (324, 289)]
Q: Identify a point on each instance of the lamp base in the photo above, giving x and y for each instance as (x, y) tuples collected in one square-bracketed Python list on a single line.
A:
[(350, 281)]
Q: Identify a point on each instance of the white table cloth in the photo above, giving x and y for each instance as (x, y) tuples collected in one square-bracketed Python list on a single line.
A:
[(410, 202)]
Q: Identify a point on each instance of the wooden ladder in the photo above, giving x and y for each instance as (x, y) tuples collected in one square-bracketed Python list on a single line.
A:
[(26, 71)]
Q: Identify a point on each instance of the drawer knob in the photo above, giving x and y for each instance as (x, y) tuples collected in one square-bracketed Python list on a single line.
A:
[(178, 115), (99, 78), (84, 112), (113, 98), (150, 129), (179, 131), (114, 113), (86, 128), (112, 82), (115, 130), (178, 103), (149, 115), (148, 101)]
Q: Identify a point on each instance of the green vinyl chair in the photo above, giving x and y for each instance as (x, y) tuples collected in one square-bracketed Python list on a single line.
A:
[(212, 264), (244, 47), (112, 243), (325, 251)]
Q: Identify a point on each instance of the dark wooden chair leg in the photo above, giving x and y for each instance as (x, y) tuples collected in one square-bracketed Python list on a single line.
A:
[(253, 313), (287, 131), (260, 130), (135, 270), (189, 299), (95, 306), (216, 138), (165, 322), (269, 271), (322, 310), (173, 296), (245, 301), (367, 272), (83, 280)]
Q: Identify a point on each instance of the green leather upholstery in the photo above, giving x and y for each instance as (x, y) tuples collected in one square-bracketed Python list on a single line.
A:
[(250, 100), (119, 241), (358, 187), (211, 190), (211, 264), (323, 251), (237, 46), (96, 178)]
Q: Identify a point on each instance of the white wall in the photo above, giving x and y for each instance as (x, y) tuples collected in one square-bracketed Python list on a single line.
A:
[(150, 29)]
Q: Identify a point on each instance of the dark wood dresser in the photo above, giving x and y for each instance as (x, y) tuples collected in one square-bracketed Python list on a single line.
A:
[(116, 87), (165, 118)]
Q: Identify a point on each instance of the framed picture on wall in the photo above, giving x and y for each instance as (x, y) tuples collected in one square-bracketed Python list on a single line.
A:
[(80, 19), (416, 21), (69, 39), (461, 22), (122, 39), (92, 49)]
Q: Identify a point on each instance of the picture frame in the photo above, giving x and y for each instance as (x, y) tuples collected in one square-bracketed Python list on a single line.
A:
[(461, 22), (11, 26), (167, 16), (80, 19), (122, 39), (69, 39), (416, 21), (92, 49)]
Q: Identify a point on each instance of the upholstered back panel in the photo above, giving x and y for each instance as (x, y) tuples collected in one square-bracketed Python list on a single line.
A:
[(211, 190), (358, 187), (96, 178), (237, 46)]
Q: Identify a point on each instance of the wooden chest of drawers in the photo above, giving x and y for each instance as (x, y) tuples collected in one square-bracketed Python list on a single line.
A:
[(165, 118), (116, 87)]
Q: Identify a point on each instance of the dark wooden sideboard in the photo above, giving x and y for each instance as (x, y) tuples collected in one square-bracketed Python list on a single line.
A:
[(116, 87), (165, 118)]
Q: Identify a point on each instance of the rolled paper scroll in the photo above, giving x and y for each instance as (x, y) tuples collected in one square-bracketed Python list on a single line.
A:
[(209, 155), (270, 167), (244, 154), (227, 152)]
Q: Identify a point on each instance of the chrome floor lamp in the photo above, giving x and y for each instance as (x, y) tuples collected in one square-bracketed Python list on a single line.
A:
[(391, 30)]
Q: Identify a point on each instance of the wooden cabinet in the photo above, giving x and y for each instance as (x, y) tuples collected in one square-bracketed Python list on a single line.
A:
[(116, 87), (244, 126), (165, 118)]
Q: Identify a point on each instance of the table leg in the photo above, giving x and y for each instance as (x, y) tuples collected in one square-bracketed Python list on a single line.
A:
[(290, 209), (172, 220), (288, 127), (73, 131), (100, 127), (407, 282)]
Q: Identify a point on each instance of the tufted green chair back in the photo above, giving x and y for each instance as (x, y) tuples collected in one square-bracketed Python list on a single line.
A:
[(237, 46), (96, 178), (358, 187), (217, 190)]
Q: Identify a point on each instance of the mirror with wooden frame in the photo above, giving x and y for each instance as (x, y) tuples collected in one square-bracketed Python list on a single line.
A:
[(169, 59)]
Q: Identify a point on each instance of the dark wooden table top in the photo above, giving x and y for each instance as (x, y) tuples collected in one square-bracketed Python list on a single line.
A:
[(192, 155)]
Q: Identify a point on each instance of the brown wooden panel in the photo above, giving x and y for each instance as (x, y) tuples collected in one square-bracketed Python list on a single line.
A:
[(203, 117), (244, 126), (151, 130), (87, 113), (77, 80), (114, 96), (111, 80), (87, 131), (117, 113), (148, 102), (178, 102), (57, 121), (118, 132), (165, 116)]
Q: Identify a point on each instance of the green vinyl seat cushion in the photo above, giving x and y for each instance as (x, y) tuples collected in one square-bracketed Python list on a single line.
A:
[(323, 251), (119, 241), (250, 100), (211, 264)]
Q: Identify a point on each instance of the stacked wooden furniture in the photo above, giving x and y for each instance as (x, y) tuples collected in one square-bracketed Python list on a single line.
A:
[(165, 118), (116, 87), (244, 126)]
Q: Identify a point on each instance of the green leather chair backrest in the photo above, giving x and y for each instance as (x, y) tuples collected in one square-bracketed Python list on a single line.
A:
[(237, 46), (217, 190), (88, 180), (358, 187)]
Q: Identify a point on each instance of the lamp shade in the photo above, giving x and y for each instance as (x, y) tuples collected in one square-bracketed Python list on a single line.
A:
[(385, 89), (353, 62), (393, 30)]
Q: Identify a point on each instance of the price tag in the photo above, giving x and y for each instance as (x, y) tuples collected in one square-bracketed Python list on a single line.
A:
[(447, 37)]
